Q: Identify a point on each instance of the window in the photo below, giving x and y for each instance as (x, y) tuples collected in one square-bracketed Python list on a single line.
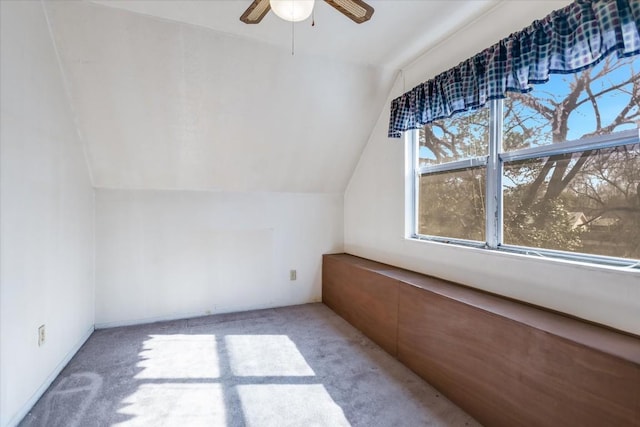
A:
[(452, 159), (555, 171)]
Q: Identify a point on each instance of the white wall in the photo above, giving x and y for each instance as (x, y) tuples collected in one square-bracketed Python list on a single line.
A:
[(375, 217), (46, 214), (172, 106), (172, 254)]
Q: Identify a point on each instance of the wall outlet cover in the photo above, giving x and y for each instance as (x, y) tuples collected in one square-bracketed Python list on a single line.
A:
[(41, 335)]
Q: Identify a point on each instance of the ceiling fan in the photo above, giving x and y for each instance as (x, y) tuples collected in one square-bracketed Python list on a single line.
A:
[(356, 10)]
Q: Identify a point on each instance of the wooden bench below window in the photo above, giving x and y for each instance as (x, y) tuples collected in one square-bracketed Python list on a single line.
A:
[(506, 363)]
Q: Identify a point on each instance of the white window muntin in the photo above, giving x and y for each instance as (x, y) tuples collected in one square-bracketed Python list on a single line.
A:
[(494, 162)]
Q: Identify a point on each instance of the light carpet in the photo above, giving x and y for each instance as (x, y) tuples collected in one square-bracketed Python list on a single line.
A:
[(292, 366)]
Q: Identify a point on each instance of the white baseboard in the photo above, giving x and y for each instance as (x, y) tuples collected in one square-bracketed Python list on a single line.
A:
[(18, 416), (145, 320), (191, 315)]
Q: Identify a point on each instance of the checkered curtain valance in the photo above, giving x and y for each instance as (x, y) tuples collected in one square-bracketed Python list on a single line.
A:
[(567, 41)]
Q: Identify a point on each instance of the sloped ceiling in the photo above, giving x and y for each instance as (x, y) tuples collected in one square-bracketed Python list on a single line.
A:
[(182, 95), (397, 32)]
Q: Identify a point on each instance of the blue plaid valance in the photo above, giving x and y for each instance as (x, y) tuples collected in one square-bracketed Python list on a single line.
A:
[(566, 41)]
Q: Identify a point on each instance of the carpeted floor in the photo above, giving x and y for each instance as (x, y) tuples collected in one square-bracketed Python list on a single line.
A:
[(293, 366)]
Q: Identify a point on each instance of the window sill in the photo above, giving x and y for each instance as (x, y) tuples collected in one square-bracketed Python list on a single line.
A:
[(533, 254)]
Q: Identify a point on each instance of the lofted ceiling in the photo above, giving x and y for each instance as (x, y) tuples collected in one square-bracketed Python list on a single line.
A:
[(397, 32), (182, 95)]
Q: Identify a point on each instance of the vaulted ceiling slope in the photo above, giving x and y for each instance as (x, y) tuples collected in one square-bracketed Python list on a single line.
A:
[(182, 95)]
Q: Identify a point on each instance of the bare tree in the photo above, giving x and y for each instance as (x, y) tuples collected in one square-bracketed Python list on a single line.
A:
[(543, 197), (586, 88)]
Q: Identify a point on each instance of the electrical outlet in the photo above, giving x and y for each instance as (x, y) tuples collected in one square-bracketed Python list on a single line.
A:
[(293, 274), (41, 335)]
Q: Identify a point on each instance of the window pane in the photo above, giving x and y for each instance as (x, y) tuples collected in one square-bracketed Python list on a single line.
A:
[(585, 202), (460, 137), (598, 101), (451, 204)]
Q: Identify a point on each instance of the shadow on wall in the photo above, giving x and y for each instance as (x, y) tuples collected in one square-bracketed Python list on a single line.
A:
[(294, 366)]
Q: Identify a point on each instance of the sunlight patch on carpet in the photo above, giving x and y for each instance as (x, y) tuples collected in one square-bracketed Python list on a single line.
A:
[(175, 405), (266, 356), (271, 405), (179, 356)]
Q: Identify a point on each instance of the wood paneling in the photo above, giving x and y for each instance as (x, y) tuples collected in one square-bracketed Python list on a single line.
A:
[(364, 298), (506, 363), (505, 373)]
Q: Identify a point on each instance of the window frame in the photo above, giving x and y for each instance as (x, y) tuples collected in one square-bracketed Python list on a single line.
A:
[(494, 163)]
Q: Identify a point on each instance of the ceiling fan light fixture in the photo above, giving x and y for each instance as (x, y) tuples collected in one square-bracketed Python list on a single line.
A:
[(292, 10)]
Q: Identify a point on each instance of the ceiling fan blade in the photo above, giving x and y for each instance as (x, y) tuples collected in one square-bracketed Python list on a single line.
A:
[(255, 12), (356, 10)]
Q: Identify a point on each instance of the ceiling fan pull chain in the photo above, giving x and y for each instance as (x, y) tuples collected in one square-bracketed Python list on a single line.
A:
[(313, 17), (293, 39)]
